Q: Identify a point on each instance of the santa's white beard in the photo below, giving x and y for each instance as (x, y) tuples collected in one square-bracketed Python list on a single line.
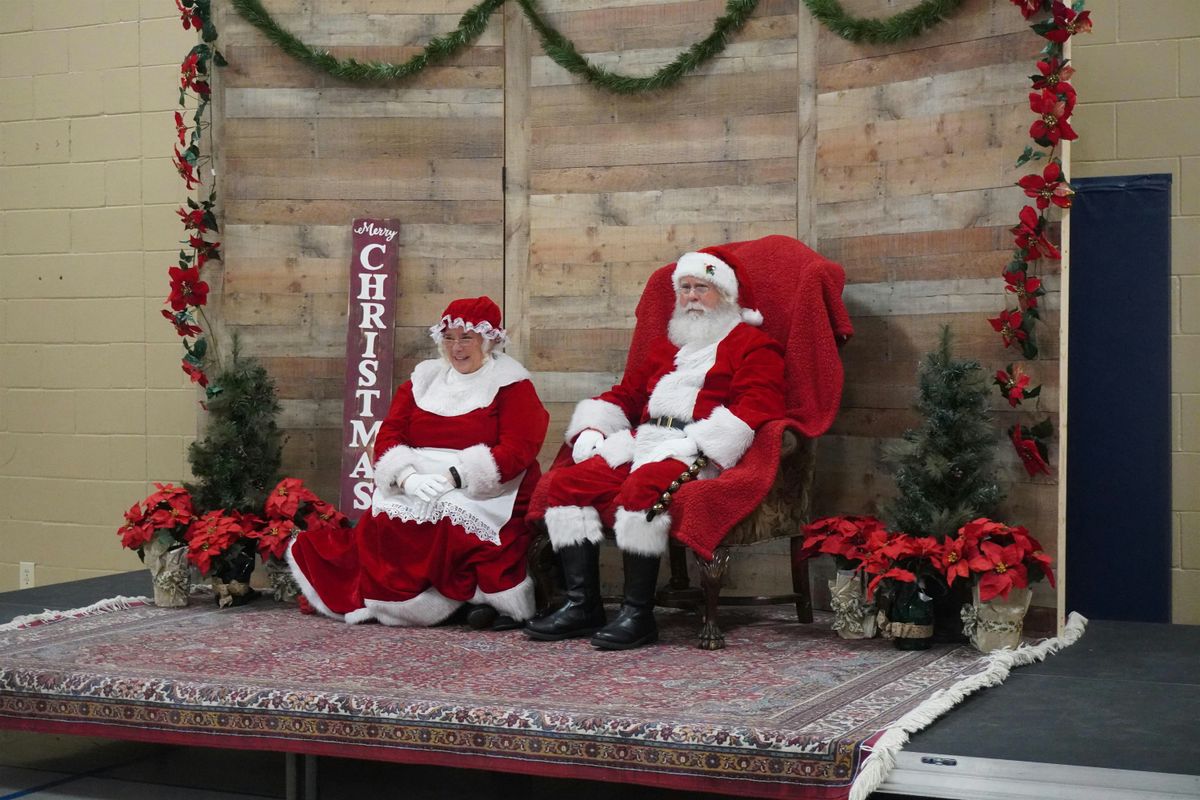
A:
[(694, 324)]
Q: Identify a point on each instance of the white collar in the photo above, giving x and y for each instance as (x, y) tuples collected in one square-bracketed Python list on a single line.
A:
[(441, 389)]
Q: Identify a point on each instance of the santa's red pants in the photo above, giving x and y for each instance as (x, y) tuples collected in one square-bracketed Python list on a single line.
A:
[(594, 483)]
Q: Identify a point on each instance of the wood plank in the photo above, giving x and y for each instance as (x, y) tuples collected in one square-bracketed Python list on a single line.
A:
[(730, 204), (939, 211), (407, 138), (325, 31), (268, 138), (351, 102), (632, 30), (351, 178), (644, 177), (332, 212), (333, 241), (259, 64), (662, 244), (671, 141)]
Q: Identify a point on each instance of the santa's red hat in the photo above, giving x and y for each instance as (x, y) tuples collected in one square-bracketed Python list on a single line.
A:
[(479, 314), (720, 268)]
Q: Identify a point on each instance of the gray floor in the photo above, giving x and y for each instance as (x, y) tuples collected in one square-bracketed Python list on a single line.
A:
[(1127, 696)]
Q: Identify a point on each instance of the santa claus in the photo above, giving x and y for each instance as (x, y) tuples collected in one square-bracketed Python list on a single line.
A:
[(705, 388), (455, 467)]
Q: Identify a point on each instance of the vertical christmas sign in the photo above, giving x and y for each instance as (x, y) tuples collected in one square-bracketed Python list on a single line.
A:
[(370, 319)]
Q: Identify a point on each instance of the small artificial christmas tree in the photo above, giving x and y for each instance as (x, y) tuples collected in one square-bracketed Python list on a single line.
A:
[(237, 462), (944, 469)]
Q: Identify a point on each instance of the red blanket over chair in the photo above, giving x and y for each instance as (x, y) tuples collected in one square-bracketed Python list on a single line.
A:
[(800, 295)]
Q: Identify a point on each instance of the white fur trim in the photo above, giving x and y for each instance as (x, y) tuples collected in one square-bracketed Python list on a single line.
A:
[(675, 393), (637, 536), (479, 472), (696, 265), (882, 758), (309, 591), (752, 316), (572, 525), (395, 465), (428, 608), (602, 415), (517, 602), (646, 443), (359, 615), (617, 448), (723, 436), (440, 389)]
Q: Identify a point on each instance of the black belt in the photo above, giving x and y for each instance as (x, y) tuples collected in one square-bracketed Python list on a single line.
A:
[(668, 422)]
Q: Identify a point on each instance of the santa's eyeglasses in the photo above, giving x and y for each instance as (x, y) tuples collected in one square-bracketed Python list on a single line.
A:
[(697, 289)]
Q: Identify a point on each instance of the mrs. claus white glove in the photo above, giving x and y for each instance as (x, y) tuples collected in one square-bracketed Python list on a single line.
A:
[(426, 487)]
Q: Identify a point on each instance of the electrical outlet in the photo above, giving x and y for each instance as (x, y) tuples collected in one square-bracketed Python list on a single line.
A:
[(26, 579)]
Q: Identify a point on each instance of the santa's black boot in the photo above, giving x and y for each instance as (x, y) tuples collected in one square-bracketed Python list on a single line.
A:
[(582, 613), (634, 625)]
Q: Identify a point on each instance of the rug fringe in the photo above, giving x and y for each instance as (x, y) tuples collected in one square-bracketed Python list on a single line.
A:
[(879, 763), (111, 604)]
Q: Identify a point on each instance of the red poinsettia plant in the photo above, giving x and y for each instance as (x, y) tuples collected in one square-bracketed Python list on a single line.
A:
[(851, 540), (219, 544), (163, 518), (1031, 444), (904, 558), (290, 508), (998, 557)]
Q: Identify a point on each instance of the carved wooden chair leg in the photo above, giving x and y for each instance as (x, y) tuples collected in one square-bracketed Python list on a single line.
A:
[(679, 592), (800, 582), (711, 573)]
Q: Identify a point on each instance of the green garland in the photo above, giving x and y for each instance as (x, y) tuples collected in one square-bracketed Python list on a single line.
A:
[(469, 27), (904, 25), (562, 50)]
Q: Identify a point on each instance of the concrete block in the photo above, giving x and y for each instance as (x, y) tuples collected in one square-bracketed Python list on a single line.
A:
[(68, 94), (158, 135), (172, 412), (40, 411), (109, 320), (1104, 19), (24, 365), (1158, 128), (1185, 481), (157, 9), (122, 10), (163, 370), (35, 142), (1189, 524), (15, 15), (1189, 305), (158, 330), (1185, 378), (160, 86), (1117, 72), (165, 458), (1189, 68), (1185, 597), (106, 230), (104, 46), (45, 231), (1185, 245), (50, 14), (34, 53), (1189, 423), (108, 365), (161, 229), (52, 186), (16, 97), (123, 182), (1096, 124), (1189, 186), (161, 182), (106, 138), (10, 574), (1159, 19), (54, 276), (126, 459), (110, 411), (122, 90), (164, 41)]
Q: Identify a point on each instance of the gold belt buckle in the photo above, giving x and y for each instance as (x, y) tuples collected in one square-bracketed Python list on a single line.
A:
[(670, 422)]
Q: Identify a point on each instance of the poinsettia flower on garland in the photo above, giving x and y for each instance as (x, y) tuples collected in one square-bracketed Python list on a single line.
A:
[(1054, 75), (1049, 187), (1027, 289), (190, 16), (1066, 23), (186, 288), (195, 373), (1031, 446), (1010, 326), (1030, 237), (183, 322), (1012, 385), (1053, 110), (181, 128), (1028, 7), (186, 170)]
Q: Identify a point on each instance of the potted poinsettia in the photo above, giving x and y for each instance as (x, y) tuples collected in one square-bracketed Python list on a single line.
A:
[(290, 508), (220, 548), (851, 540), (905, 577), (157, 529), (1001, 561)]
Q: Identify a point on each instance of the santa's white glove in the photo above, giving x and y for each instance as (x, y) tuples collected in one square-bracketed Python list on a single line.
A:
[(585, 445), (426, 487), (682, 449)]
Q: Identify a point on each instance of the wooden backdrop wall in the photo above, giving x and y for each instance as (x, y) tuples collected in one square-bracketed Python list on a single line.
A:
[(515, 179)]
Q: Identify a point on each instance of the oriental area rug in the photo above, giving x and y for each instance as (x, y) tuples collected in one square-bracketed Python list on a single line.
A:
[(785, 710)]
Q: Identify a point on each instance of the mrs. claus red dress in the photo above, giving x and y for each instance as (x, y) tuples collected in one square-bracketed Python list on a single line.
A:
[(414, 563)]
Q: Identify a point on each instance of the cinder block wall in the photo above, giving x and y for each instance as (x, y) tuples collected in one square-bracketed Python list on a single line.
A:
[(93, 404), (1139, 87)]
